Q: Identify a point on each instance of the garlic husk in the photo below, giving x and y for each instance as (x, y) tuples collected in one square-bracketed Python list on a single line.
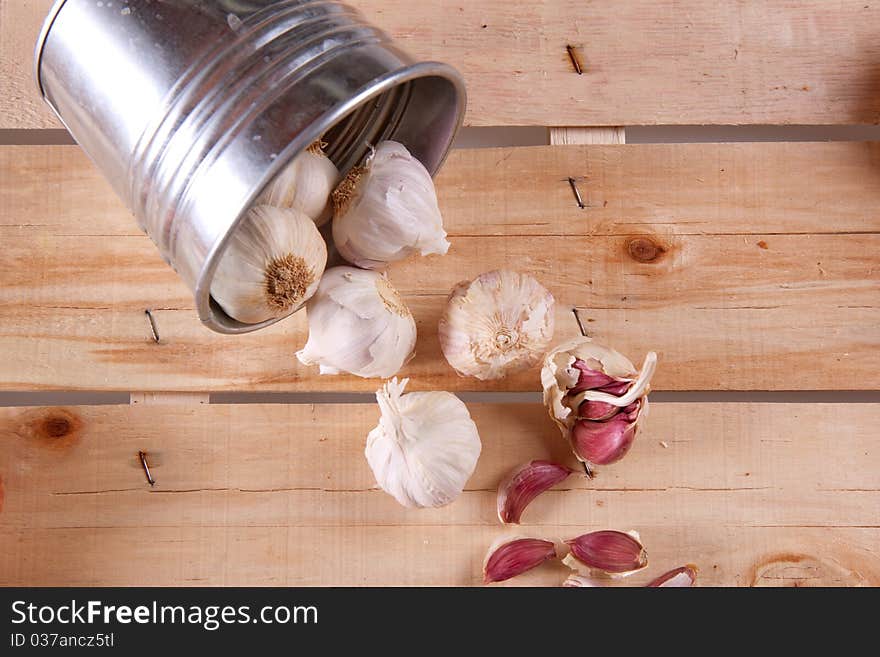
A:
[(682, 577), (596, 397), (579, 581), (305, 184), (615, 553), (524, 484), (500, 322), (508, 557), (425, 446), (358, 324), (271, 267), (386, 210)]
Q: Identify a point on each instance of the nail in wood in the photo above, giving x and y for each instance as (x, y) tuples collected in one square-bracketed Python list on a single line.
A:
[(577, 193), (143, 457), (575, 60), (577, 318), (153, 328)]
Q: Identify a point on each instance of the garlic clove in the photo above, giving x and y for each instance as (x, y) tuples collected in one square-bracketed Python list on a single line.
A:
[(579, 581), (358, 324), (305, 185), (597, 398), (425, 446), (524, 484), (683, 577), (271, 267), (612, 552), (605, 442), (498, 323), (508, 558), (386, 210)]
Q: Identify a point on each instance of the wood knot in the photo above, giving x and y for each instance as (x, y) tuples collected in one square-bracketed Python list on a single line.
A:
[(644, 249), (55, 427), (801, 570)]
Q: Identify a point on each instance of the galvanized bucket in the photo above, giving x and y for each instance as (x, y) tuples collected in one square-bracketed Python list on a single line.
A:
[(190, 107)]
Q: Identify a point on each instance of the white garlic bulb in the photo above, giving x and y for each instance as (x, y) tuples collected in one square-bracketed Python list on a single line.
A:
[(425, 447), (386, 210), (358, 324), (305, 185), (499, 323), (272, 265)]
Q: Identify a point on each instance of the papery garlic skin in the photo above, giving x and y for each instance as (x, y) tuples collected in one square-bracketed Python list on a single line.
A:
[(614, 553), (683, 577), (579, 581), (271, 266), (425, 446), (512, 556), (500, 322), (596, 397), (386, 210), (358, 324), (305, 184), (524, 484)]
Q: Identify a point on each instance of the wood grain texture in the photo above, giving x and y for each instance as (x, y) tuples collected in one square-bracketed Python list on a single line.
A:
[(584, 136), (746, 266), (643, 63), (276, 494)]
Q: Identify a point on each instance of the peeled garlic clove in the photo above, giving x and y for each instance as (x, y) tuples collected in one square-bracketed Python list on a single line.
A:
[(508, 558), (386, 210), (596, 397), (683, 577), (579, 581), (425, 447), (358, 324), (524, 484), (498, 323), (305, 185), (271, 267), (616, 553)]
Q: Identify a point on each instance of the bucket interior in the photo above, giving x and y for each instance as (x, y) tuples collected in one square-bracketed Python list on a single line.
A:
[(423, 114)]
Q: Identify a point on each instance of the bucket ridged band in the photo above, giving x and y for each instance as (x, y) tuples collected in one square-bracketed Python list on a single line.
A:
[(190, 108)]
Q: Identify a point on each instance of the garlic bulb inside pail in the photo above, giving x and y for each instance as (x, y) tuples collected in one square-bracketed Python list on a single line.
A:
[(386, 210), (425, 447), (272, 265), (498, 323), (358, 324), (305, 184)]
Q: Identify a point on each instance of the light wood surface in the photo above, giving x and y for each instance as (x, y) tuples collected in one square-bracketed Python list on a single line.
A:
[(282, 494), (688, 62), (746, 266), (583, 136)]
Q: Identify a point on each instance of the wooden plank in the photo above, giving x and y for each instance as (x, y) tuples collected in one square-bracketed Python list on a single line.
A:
[(275, 494), (642, 62), (583, 136), (746, 266)]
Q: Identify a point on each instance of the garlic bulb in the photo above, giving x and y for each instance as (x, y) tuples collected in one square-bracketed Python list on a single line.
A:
[(305, 185), (358, 324), (386, 210), (425, 447), (500, 322), (272, 265), (596, 397)]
